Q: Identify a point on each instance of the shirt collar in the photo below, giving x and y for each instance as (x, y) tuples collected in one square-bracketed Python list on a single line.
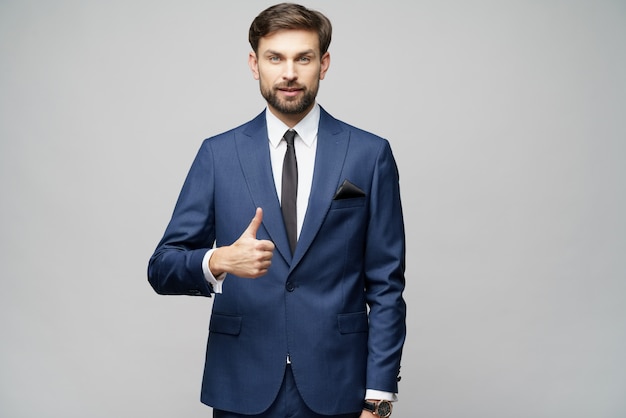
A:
[(306, 128)]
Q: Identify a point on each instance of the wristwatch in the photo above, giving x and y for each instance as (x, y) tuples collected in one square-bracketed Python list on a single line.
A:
[(380, 408)]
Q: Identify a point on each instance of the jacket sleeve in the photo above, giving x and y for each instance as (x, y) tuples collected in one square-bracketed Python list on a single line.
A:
[(175, 268), (385, 281)]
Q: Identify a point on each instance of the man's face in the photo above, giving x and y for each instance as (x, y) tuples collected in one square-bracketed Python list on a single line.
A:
[(289, 67)]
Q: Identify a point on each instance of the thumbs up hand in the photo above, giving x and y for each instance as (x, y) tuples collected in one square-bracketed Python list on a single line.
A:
[(247, 257), (252, 229)]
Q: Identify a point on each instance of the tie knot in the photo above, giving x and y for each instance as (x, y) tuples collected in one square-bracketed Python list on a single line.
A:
[(289, 136)]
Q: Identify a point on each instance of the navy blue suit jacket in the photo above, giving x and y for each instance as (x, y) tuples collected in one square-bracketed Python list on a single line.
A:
[(335, 307)]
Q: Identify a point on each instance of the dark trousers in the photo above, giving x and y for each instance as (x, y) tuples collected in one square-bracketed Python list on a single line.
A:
[(288, 404)]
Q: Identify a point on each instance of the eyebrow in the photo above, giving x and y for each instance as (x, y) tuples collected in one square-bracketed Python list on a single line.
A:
[(306, 52)]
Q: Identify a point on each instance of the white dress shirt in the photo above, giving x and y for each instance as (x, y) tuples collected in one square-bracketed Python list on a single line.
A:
[(305, 144)]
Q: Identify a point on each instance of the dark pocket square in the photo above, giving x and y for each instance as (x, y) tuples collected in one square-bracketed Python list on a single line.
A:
[(348, 190)]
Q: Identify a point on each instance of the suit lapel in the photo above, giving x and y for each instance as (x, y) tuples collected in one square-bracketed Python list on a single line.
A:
[(332, 145), (252, 145)]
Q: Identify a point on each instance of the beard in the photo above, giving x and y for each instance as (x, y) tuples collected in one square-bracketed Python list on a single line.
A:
[(290, 106)]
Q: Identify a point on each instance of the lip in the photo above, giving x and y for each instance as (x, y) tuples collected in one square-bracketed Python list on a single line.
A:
[(290, 92)]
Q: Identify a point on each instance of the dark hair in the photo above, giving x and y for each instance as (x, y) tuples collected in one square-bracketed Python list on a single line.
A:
[(290, 16)]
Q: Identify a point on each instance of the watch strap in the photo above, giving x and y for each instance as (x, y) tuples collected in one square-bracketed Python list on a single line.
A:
[(374, 408), (369, 406)]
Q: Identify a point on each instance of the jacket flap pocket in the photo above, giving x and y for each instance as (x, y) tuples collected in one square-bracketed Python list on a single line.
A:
[(225, 324), (352, 322)]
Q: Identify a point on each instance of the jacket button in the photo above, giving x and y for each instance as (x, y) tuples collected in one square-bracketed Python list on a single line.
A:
[(290, 286)]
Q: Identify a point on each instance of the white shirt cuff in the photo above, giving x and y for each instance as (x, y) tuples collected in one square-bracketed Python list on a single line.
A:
[(215, 282), (379, 395)]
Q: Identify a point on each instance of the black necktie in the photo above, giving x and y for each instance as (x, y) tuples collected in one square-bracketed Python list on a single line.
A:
[(290, 190)]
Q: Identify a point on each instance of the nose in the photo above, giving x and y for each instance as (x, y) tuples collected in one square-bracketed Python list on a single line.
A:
[(290, 71)]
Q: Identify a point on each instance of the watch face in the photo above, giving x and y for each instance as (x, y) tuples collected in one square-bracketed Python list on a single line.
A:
[(384, 409)]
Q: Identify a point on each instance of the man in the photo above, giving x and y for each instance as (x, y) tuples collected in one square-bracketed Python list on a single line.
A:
[(294, 266)]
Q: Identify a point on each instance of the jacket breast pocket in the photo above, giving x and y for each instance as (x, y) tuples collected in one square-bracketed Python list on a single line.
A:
[(348, 203)]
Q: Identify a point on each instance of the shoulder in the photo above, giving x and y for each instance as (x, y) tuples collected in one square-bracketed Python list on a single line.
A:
[(248, 129), (332, 125)]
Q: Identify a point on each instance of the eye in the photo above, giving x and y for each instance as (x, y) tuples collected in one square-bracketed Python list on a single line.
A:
[(274, 59), (304, 60)]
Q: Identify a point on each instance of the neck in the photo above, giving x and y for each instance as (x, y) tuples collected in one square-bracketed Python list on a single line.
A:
[(290, 119)]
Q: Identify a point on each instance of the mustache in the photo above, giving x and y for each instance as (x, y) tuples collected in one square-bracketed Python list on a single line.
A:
[(289, 85)]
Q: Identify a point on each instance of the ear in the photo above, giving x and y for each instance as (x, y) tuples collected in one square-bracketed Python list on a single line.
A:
[(253, 63), (325, 65)]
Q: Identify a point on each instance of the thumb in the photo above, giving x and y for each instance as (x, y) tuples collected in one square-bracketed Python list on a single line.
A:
[(252, 229)]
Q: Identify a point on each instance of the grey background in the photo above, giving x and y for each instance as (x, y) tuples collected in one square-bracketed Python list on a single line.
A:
[(507, 121)]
